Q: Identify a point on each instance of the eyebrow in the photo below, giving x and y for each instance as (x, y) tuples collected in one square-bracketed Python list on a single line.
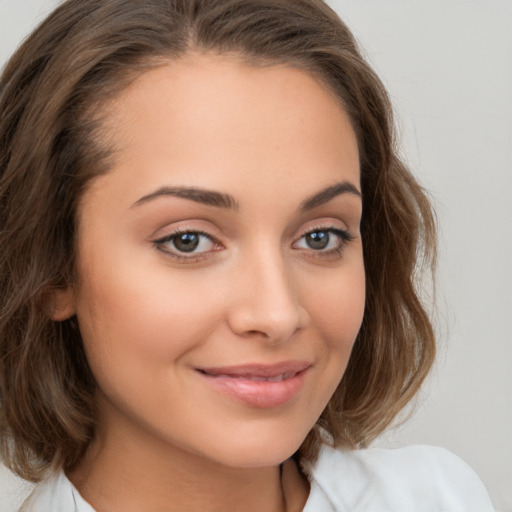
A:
[(325, 195), (220, 200), (198, 195)]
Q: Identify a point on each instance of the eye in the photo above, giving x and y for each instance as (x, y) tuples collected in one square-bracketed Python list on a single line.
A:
[(186, 244), (324, 240)]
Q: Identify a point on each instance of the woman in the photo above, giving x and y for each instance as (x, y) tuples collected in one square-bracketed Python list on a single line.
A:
[(210, 250)]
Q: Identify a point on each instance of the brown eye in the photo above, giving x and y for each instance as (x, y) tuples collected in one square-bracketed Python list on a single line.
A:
[(186, 242), (323, 241), (318, 240)]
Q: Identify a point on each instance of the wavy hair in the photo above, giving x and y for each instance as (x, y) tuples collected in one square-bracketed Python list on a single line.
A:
[(52, 95)]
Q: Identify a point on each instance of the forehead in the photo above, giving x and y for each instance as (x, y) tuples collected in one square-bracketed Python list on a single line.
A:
[(218, 121)]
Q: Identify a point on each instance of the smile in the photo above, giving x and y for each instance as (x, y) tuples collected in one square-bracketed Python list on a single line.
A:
[(258, 385), (255, 378)]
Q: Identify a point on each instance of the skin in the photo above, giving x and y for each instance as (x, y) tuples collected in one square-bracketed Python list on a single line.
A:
[(254, 292)]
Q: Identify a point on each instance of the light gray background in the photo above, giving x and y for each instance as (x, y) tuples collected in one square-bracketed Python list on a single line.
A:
[(448, 67)]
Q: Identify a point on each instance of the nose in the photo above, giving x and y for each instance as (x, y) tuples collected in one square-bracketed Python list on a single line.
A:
[(264, 301)]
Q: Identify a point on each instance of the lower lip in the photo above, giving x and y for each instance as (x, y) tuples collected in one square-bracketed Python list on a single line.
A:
[(262, 394)]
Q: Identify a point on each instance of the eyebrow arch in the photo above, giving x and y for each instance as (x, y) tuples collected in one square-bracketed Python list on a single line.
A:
[(325, 195), (198, 195), (220, 200)]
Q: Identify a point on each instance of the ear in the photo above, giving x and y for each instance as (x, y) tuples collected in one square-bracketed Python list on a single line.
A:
[(63, 304)]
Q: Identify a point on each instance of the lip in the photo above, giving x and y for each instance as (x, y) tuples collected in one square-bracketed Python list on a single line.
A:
[(258, 385)]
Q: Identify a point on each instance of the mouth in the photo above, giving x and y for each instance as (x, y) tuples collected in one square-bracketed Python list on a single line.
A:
[(263, 386), (256, 378)]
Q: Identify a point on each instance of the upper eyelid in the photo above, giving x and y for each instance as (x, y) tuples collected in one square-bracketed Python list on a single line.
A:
[(346, 236), (161, 241), (172, 232), (177, 255), (179, 232), (320, 226), (323, 227), (201, 256)]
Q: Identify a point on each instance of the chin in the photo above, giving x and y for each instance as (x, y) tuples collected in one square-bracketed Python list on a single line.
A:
[(258, 453)]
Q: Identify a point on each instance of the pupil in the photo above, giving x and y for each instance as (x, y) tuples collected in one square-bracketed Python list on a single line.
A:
[(318, 239), (186, 242)]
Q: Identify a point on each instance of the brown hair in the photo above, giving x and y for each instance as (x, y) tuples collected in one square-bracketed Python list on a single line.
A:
[(51, 97)]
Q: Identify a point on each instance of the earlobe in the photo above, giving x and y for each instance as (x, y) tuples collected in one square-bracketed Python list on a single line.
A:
[(63, 304)]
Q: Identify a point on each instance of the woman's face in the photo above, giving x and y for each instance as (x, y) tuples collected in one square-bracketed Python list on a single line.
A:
[(220, 271)]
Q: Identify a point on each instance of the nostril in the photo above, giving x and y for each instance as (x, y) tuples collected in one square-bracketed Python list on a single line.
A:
[(256, 333)]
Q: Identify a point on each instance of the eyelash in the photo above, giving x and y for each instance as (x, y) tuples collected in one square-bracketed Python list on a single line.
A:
[(343, 236), (160, 244)]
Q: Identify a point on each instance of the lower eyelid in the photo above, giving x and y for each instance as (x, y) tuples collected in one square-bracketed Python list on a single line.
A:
[(338, 232), (162, 244)]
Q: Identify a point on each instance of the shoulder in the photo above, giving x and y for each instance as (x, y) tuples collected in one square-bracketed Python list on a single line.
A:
[(55, 493), (419, 478)]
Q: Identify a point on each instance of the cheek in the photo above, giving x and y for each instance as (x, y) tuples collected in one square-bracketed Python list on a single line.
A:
[(338, 310), (134, 322), (337, 313)]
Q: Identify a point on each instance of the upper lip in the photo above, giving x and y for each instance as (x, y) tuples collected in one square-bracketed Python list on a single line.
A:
[(258, 370)]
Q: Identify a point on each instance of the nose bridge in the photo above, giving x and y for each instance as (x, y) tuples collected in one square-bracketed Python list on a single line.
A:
[(267, 300)]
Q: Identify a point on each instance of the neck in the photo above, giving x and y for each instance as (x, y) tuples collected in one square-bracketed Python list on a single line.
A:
[(127, 472)]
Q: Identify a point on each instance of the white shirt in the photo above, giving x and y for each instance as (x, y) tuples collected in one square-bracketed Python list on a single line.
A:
[(413, 479)]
